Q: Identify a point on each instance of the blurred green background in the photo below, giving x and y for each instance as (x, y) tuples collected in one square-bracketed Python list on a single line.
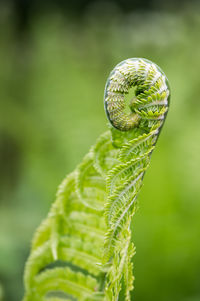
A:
[(54, 62)]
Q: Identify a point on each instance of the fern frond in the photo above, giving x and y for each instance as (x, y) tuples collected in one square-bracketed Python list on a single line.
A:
[(83, 250)]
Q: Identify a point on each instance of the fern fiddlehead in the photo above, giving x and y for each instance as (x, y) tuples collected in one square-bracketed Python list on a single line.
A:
[(83, 250)]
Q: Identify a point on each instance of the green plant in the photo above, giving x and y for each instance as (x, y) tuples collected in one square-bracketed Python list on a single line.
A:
[(83, 250)]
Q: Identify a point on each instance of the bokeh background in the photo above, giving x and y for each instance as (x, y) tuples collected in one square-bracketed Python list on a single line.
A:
[(55, 57)]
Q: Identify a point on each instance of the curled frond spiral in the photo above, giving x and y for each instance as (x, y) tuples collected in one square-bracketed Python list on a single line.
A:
[(151, 93), (83, 250)]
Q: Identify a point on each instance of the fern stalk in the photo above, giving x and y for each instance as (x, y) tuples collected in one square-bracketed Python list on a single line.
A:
[(83, 250)]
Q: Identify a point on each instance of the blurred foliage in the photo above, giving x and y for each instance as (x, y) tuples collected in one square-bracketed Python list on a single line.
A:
[(51, 91)]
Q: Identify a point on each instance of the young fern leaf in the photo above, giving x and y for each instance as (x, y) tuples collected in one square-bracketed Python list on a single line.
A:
[(83, 250)]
